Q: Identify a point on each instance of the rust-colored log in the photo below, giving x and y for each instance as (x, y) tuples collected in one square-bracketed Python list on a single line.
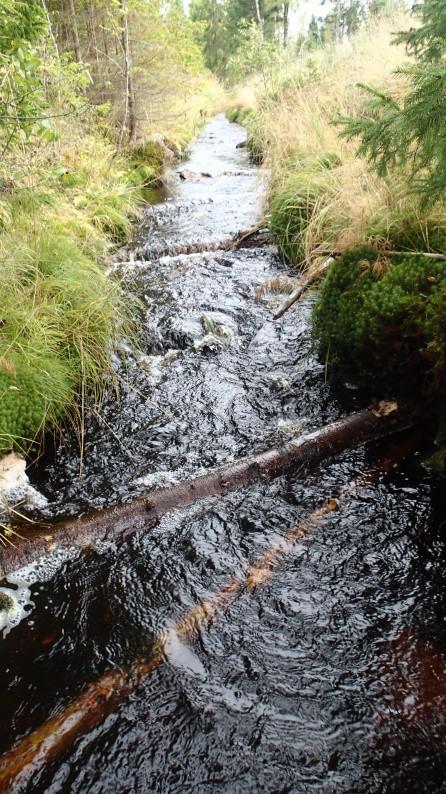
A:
[(295, 457), (54, 738)]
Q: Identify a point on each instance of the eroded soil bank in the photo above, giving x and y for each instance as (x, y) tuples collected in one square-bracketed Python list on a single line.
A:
[(328, 678)]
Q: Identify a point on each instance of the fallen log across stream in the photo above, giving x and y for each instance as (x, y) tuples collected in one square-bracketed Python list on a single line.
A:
[(22, 765), (294, 458)]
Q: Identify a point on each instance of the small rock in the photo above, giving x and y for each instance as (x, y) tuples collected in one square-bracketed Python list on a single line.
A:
[(289, 427), (7, 602), (12, 472), (185, 174), (279, 382), (15, 487), (209, 342)]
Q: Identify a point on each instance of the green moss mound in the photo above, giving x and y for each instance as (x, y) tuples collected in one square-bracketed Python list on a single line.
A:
[(31, 398), (388, 323)]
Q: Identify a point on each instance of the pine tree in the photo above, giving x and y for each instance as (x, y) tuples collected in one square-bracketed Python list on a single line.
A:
[(411, 134)]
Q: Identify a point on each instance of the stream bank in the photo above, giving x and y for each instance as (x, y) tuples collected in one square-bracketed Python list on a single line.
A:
[(319, 681)]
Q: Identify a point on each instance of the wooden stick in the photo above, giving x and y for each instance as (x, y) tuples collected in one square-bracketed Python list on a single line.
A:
[(305, 283), (440, 257), (429, 254), (54, 738)]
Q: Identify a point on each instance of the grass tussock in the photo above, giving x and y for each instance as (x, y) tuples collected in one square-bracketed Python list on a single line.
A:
[(60, 314)]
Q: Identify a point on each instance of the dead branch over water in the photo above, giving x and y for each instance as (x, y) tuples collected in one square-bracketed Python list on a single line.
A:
[(142, 514)]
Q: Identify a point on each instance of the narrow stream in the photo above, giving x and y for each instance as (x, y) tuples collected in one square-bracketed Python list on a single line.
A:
[(328, 678)]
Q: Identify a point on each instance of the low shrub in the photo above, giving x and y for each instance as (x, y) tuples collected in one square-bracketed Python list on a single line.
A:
[(385, 319)]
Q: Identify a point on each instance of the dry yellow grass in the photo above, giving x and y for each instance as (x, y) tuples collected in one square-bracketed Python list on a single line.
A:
[(295, 124)]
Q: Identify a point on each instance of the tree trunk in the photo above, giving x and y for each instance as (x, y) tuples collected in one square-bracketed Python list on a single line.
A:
[(54, 738), (293, 458), (129, 123), (258, 14), (76, 44), (286, 11)]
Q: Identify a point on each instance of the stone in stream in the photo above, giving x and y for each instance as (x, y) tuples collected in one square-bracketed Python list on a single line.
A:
[(7, 602), (186, 174), (279, 382), (217, 335), (15, 488), (157, 365)]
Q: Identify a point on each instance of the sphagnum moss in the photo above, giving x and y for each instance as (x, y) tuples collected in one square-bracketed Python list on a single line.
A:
[(386, 322)]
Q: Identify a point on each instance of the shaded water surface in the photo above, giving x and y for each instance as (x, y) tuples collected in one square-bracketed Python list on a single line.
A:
[(328, 678)]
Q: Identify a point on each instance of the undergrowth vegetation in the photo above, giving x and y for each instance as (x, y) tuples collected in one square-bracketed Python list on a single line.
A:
[(71, 180), (381, 309), (386, 318)]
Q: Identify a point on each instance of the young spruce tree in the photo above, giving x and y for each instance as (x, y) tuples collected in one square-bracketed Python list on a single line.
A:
[(411, 133)]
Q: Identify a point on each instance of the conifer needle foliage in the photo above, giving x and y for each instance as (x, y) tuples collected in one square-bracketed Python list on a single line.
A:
[(410, 134)]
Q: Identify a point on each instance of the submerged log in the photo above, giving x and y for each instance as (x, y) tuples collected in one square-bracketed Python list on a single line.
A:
[(254, 237), (54, 738), (293, 458)]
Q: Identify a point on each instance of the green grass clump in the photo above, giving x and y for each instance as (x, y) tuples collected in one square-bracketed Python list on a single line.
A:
[(386, 320), (303, 195), (109, 209), (406, 229), (240, 115), (147, 162), (59, 317), (60, 314), (246, 116)]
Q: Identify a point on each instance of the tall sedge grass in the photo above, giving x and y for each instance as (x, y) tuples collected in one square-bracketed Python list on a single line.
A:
[(59, 312), (321, 195)]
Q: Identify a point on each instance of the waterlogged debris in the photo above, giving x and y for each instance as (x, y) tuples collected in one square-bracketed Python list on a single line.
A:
[(54, 737), (218, 335), (15, 488), (156, 366), (279, 382)]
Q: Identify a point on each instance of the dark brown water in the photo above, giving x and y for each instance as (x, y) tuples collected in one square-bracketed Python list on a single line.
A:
[(329, 678)]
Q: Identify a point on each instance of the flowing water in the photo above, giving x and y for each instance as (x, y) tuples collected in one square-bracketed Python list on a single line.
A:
[(327, 678)]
